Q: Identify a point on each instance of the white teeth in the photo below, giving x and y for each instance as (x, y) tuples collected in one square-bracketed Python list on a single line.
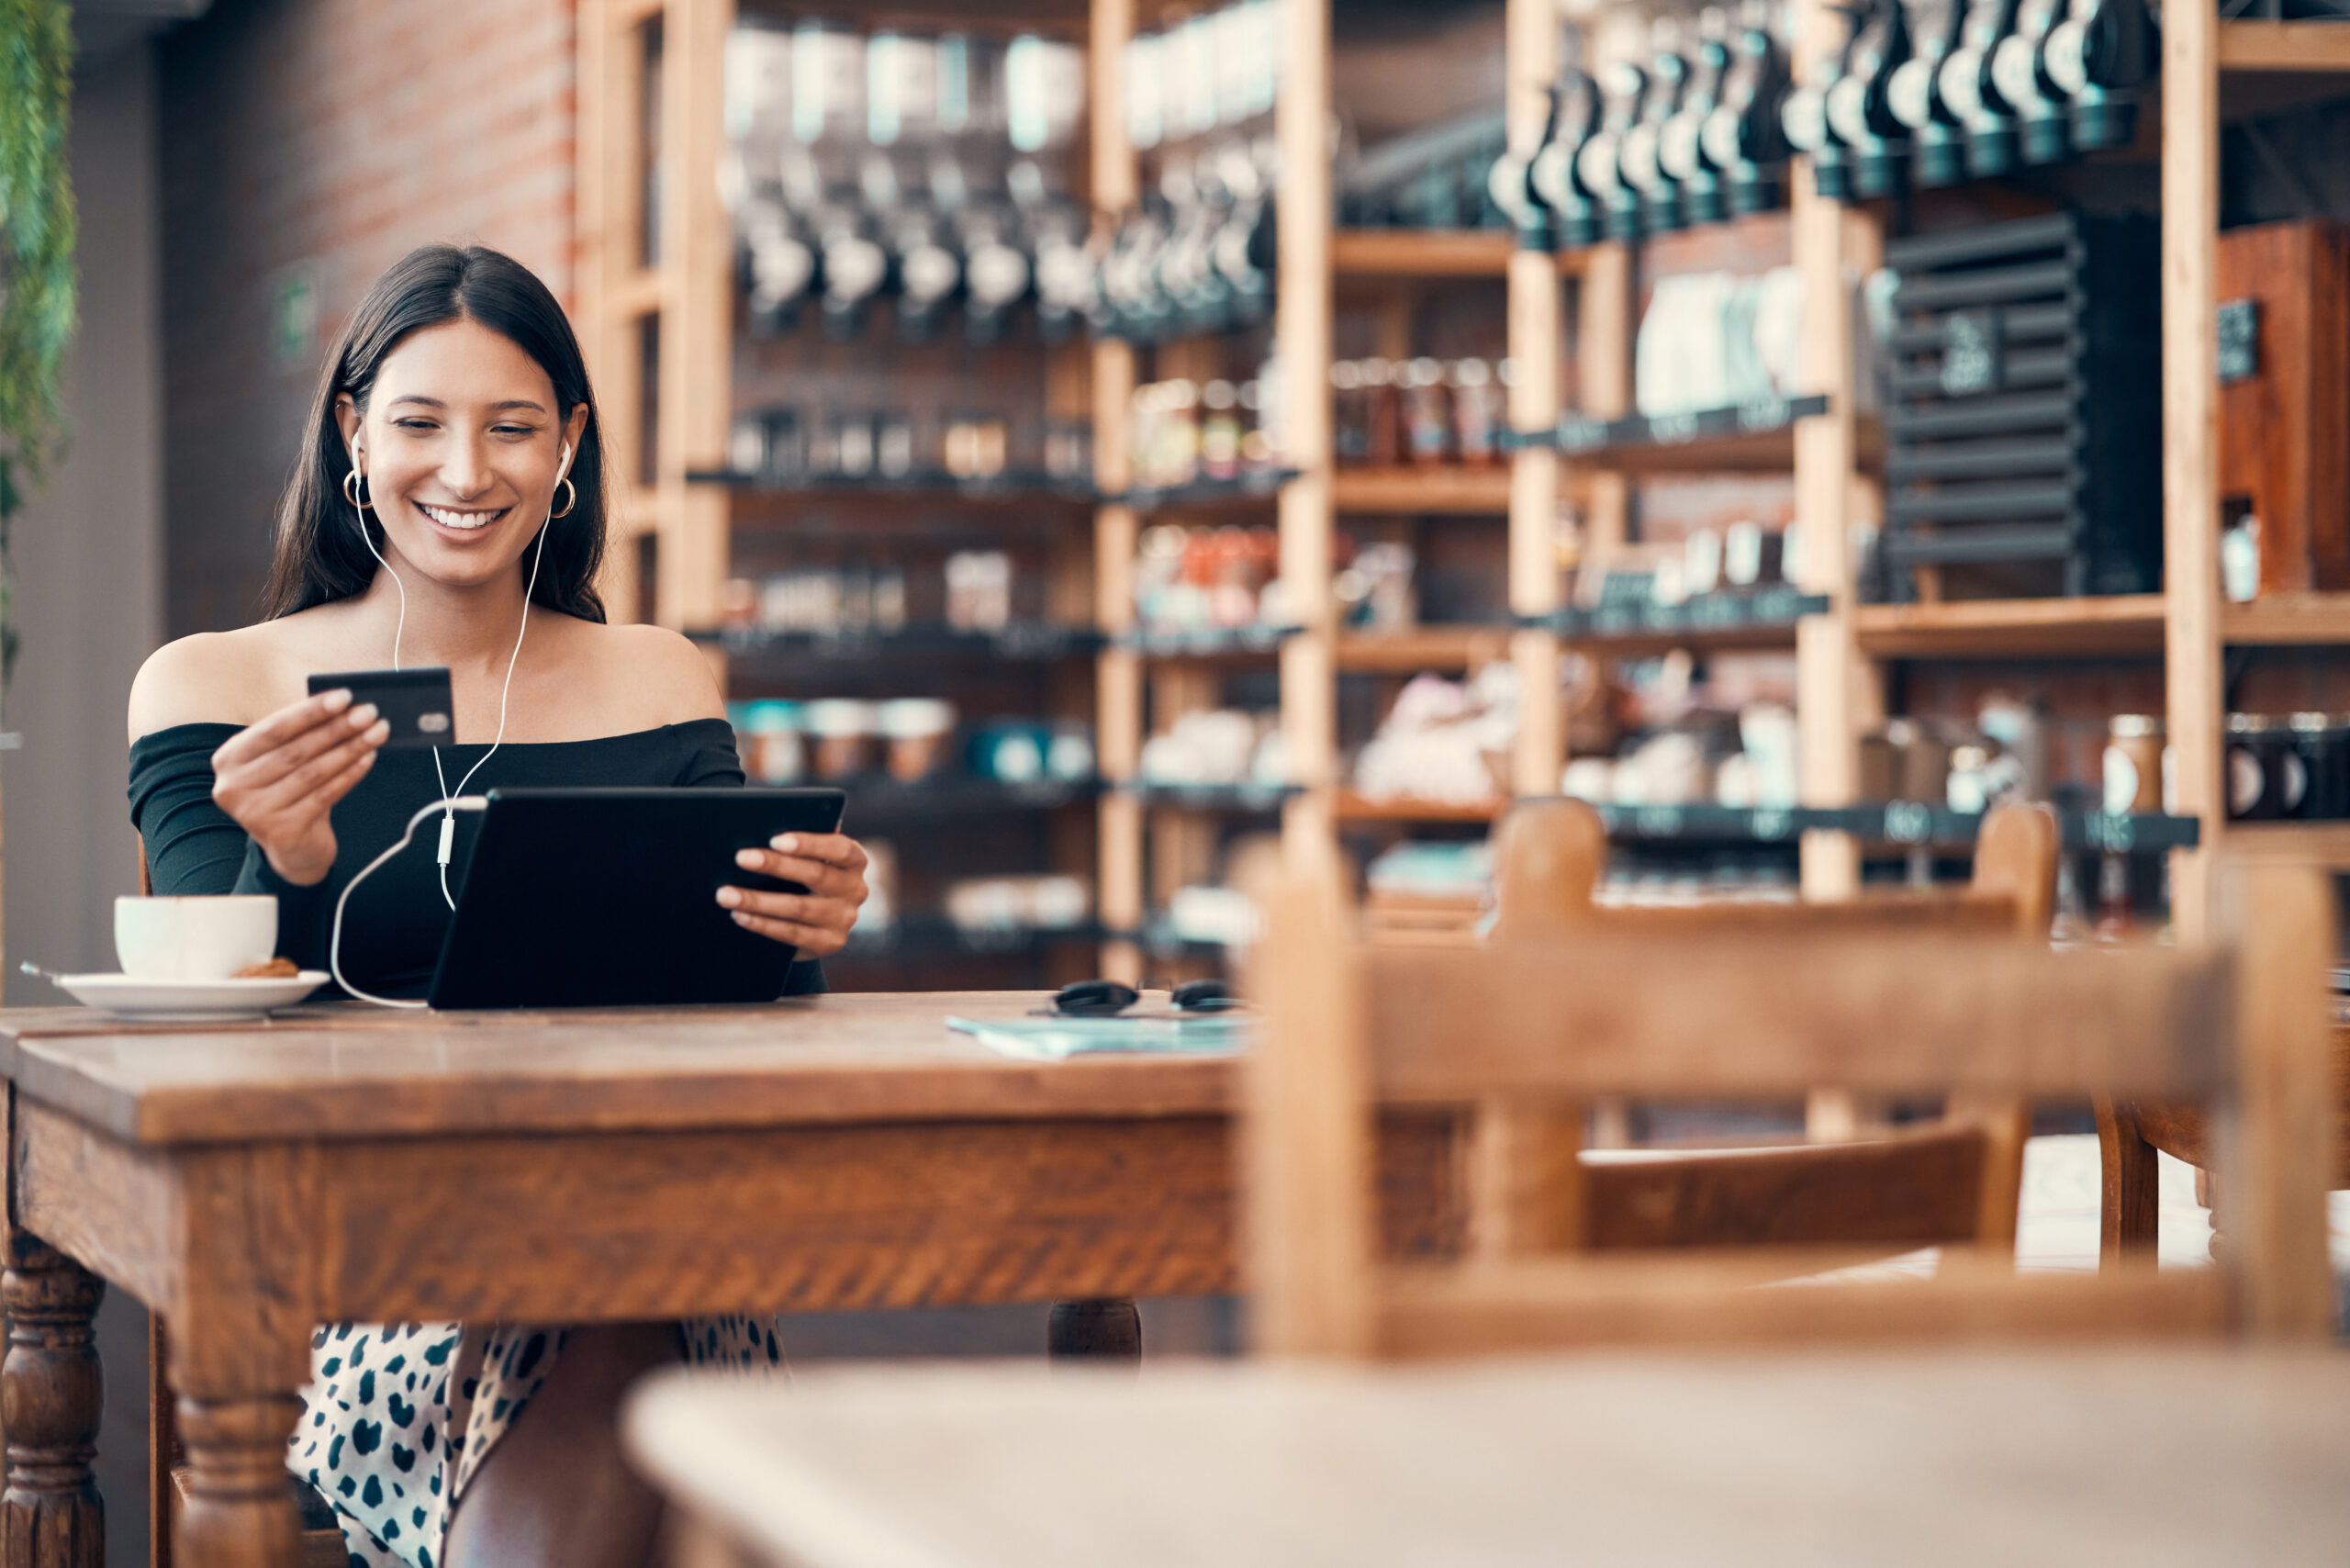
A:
[(463, 520)]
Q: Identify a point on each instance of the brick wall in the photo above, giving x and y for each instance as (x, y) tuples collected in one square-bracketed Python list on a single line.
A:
[(305, 145)]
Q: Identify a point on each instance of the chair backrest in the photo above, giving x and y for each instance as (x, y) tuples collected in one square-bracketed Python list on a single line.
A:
[(1548, 1024), (1956, 1180), (1550, 854)]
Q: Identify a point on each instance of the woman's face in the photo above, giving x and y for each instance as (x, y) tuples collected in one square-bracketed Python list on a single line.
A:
[(462, 446)]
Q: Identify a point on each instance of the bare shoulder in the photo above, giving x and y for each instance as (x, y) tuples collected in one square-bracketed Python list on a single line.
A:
[(216, 677), (653, 675)]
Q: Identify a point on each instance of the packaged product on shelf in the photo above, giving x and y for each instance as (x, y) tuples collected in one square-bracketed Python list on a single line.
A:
[(1257, 451), (769, 734), (1423, 868), (1717, 340), (1220, 430), (1701, 561), (2135, 767), (915, 730), (1349, 413), (2021, 729), (854, 447), (1069, 450), (1443, 740), (893, 446), (1032, 903), (841, 735), (890, 600), (978, 590), (1222, 915), (1214, 747), (877, 917), (1375, 591), (1480, 412), (977, 446), (1751, 555), (1009, 752), (926, 170), (1427, 413), (1068, 756), (1201, 578), (2266, 778), (1383, 411), (747, 445), (738, 605), (1768, 741)]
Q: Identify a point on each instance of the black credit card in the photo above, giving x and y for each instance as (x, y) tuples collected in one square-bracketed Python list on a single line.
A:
[(416, 702)]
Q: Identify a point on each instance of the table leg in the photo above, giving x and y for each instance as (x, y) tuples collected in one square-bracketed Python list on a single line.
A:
[(240, 1509), (1109, 1329), (51, 1395)]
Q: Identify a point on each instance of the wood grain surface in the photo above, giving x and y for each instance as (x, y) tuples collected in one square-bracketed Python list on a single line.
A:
[(1951, 1457), (353, 1072)]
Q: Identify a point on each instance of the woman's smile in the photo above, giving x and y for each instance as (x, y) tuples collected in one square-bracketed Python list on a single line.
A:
[(462, 519)]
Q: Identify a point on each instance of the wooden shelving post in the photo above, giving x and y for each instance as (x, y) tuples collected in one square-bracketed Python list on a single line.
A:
[(1118, 678), (1302, 335), (615, 291), (1536, 347), (1828, 245), (2192, 673)]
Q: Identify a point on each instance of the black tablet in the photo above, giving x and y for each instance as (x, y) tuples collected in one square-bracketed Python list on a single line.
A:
[(609, 898)]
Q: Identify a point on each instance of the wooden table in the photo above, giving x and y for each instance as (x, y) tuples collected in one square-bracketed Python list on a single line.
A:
[(2146, 1458), (827, 1153)]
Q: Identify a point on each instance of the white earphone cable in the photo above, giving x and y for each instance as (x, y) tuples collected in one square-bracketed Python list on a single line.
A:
[(451, 802), (449, 823), (334, 941)]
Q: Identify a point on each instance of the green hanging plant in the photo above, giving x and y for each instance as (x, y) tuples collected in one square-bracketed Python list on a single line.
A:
[(37, 227)]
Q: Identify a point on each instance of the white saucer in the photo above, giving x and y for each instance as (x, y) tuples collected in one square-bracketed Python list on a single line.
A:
[(179, 1000)]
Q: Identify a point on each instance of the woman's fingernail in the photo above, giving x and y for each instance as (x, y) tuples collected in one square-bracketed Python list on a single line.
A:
[(747, 858), (363, 715), (739, 918), (730, 897), (337, 700), (787, 841)]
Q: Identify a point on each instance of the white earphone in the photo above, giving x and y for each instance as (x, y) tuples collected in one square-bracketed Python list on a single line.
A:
[(451, 802)]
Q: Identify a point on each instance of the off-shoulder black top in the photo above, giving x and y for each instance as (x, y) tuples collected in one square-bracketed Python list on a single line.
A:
[(392, 932)]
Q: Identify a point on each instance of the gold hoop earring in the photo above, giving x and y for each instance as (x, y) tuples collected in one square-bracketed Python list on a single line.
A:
[(570, 490), (351, 491)]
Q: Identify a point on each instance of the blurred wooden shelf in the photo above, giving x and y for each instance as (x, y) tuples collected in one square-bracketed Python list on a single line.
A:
[(2325, 843), (1431, 253), (1459, 491), (2129, 625), (2284, 47), (1355, 808), (1422, 648), (2123, 626), (2287, 620)]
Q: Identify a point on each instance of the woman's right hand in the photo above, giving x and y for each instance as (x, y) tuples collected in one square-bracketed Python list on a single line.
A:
[(280, 778)]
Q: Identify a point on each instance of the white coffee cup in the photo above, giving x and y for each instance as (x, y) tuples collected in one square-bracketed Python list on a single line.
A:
[(195, 938)]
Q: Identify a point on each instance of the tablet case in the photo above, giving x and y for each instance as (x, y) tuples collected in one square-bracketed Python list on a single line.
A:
[(608, 898)]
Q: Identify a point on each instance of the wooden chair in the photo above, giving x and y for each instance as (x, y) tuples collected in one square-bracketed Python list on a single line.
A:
[(1550, 856), (1954, 1181), (2133, 1135), (1542, 1026)]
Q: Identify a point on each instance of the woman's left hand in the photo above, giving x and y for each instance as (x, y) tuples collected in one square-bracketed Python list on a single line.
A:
[(830, 865)]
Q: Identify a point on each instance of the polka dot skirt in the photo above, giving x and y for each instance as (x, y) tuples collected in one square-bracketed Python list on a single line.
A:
[(399, 1417)]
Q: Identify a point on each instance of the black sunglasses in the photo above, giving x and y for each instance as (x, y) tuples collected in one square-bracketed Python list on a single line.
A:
[(1107, 999)]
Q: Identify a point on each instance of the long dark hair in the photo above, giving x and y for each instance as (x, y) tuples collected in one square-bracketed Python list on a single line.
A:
[(320, 557)]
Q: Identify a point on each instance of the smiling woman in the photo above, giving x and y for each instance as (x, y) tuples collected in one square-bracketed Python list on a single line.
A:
[(448, 509)]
